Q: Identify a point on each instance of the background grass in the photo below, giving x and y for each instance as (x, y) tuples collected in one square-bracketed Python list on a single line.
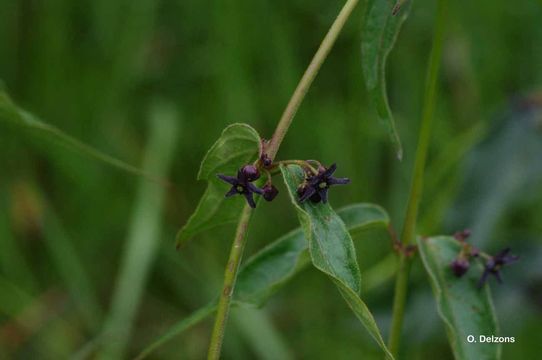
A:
[(97, 69)]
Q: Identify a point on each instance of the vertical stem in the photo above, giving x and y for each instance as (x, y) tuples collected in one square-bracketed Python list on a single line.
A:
[(236, 252), (308, 77), (409, 228), (230, 276)]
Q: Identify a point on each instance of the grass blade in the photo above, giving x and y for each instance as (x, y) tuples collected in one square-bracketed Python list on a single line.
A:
[(13, 115), (143, 237)]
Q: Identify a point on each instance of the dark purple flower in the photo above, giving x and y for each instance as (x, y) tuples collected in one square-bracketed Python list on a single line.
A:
[(494, 265), (460, 266), (269, 192), (242, 184), (315, 186)]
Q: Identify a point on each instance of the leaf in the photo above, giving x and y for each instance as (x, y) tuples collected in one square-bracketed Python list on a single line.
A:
[(332, 250), (379, 33), (465, 309), (13, 115), (272, 267), (277, 263), (238, 145)]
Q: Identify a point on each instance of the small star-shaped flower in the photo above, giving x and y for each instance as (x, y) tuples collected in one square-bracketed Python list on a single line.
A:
[(494, 265), (242, 184), (316, 186)]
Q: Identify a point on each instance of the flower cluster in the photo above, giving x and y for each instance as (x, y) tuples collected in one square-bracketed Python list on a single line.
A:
[(314, 187), (243, 185), (493, 264)]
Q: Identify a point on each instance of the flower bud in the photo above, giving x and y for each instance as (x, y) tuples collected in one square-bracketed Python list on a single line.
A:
[(269, 192), (460, 266), (266, 161), (250, 172)]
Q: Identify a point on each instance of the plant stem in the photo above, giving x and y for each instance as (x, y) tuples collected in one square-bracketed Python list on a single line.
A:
[(230, 276), (307, 79), (271, 149), (409, 228), (301, 163)]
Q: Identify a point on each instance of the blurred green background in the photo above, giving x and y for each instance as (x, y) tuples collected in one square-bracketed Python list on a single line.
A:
[(155, 82)]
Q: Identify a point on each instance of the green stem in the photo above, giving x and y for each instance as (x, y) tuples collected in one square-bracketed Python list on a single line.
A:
[(409, 228), (304, 164), (307, 79), (272, 148), (230, 276)]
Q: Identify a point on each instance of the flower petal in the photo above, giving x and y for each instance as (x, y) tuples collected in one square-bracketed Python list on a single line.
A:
[(483, 278), (233, 191), (330, 170), (323, 194), (254, 188), (307, 193), (250, 199), (229, 179), (338, 181)]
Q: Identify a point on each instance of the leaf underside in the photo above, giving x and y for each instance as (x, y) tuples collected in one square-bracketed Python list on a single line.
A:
[(380, 30), (238, 145), (464, 308)]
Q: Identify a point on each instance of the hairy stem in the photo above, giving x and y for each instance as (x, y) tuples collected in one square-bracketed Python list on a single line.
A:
[(409, 228), (230, 276), (307, 79), (271, 149)]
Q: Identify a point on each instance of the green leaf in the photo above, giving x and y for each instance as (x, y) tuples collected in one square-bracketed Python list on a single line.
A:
[(277, 263), (332, 250), (238, 145), (273, 266), (379, 33), (331, 247), (465, 309), (12, 115)]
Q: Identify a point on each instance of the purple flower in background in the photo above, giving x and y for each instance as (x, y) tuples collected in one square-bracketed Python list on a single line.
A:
[(316, 186), (242, 184), (494, 265), (460, 266)]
